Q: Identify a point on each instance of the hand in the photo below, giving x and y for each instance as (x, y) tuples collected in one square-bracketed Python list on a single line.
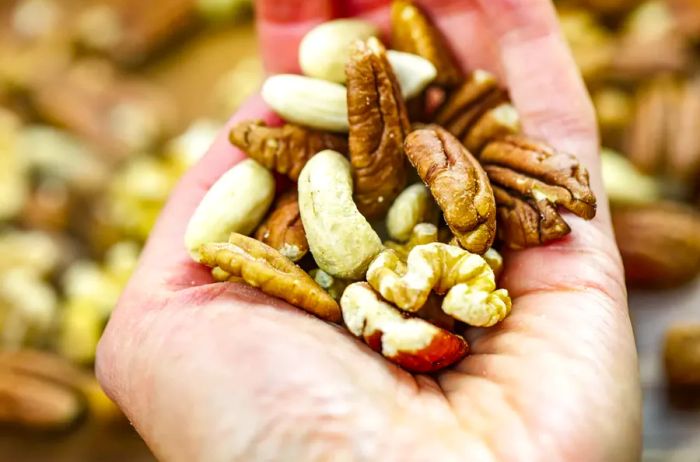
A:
[(223, 372)]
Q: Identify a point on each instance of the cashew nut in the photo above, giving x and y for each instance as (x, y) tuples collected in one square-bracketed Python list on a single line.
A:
[(341, 240), (413, 206), (237, 202)]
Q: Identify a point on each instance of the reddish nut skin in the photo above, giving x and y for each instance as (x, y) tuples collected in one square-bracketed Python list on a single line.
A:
[(445, 350), (368, 317)]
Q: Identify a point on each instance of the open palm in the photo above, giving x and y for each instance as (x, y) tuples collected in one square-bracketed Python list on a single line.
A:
[(221, 372)]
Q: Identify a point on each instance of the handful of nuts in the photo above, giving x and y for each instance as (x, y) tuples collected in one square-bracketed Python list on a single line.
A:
[(348, 148)]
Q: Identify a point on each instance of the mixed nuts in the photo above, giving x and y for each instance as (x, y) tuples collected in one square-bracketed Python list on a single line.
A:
[(348, 144)]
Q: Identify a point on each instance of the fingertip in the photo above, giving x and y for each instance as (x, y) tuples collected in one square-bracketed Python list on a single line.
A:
[(281, 26)]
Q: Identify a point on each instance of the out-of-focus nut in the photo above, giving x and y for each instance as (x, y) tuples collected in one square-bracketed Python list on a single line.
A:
[(325, 49), (682, 355), (14, 181), (458, 184), (187, 148), (307, 101), (34, 251), (52, 369), (262, 266), (650, 43), (413, 32), (29, 401), (422, 233), (412, 343), (624, 183), (28, 307), (529, 180), (593, 46), (467, 280), (283, 230), (378, 125), (284, 149), (333, 286), (341, 240), (237, 202), (413, 206), (659, 243)]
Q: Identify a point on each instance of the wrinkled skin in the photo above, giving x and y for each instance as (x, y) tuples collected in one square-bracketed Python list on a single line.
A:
[(221, 372)]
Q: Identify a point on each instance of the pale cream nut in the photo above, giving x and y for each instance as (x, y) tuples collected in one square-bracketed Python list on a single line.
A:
[(325, 49), (341, 240), (315, 103), (466, 278), (413, 206), (237, 202)]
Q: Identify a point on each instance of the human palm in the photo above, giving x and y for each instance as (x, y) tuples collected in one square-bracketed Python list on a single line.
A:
[(220, 372)]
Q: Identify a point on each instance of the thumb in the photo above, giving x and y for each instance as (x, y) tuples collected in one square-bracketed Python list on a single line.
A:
[(282, 24)]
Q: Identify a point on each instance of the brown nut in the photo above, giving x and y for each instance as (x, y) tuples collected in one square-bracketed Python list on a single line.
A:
[(529, 180), (478, 111), (284, 149), (413, 32), (659, 243), (378, 125), (682, 355), (283, 230), (458, 183), (262, 266), (43, 390), (412, 343)]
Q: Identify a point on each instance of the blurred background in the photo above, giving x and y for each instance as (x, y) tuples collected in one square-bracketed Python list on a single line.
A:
[(105, 103)]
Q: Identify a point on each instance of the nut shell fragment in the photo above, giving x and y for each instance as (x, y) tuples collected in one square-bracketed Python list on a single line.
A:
[(412, 343), (378, 125), (262, 266), (284, 149), (458, 184)]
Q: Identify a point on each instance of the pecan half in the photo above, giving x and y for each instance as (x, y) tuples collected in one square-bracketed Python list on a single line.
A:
[(413, 32), (458, 184), (478, 111), (283, 230), (284, 149), (378, 124), (659, 243), (412, 343), (530, 179), (262, 266)]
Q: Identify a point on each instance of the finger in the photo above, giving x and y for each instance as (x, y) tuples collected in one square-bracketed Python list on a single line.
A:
[(165, 256), (542, 76), (282, 24)]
